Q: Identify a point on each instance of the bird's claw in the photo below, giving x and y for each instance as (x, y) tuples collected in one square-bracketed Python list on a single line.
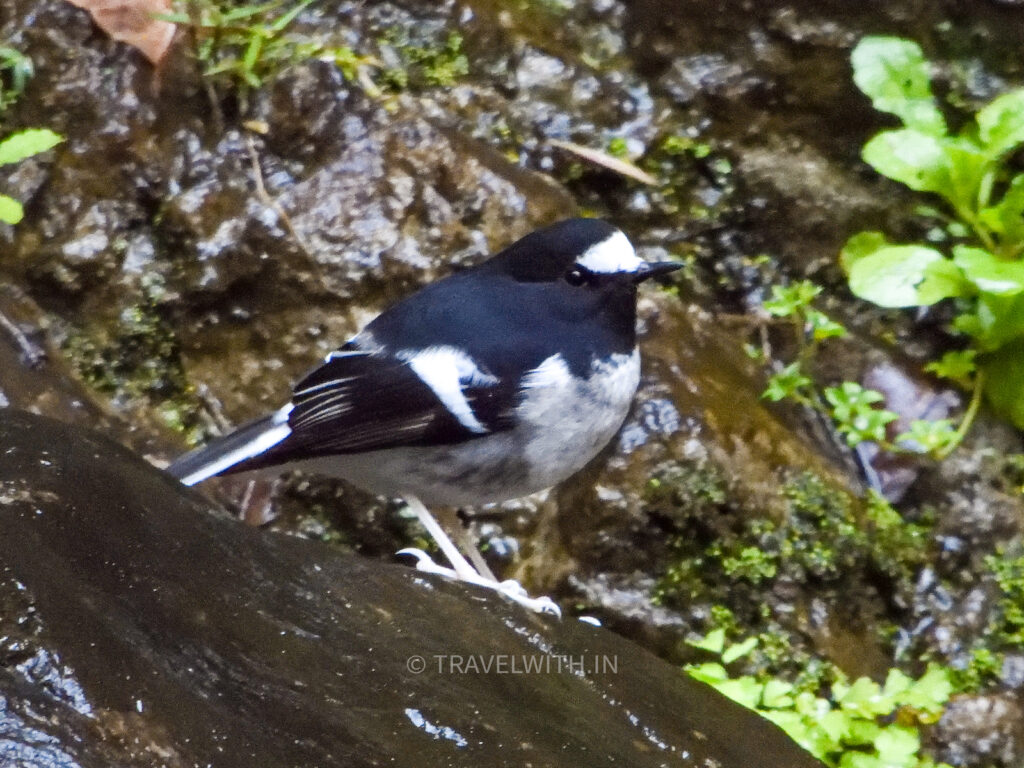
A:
[(510, 588)]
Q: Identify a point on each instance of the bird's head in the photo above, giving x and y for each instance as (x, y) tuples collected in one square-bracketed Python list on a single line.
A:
[(586, 254)]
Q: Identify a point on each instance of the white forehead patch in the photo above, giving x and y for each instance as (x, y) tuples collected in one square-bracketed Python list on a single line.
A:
[(614, 254)]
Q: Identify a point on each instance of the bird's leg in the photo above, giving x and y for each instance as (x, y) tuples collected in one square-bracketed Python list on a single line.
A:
[(462, 568), (467, 541), (463, 571)]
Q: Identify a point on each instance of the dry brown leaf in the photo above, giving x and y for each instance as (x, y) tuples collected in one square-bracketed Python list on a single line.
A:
[(133, 22), (605, 161)]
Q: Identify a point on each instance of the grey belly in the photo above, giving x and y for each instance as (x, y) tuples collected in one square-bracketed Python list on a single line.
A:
[(487, 469)]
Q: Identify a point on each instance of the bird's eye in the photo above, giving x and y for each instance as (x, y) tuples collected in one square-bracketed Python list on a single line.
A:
[(575, 276)]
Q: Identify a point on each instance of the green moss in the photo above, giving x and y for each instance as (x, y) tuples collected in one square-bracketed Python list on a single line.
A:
[(752, 564), (818, 536), (1011, 475), (693, 178), (982, 670), (618, 147), (677, 145), (1007, 624), (687, 489), (424, 63), (136, 359)]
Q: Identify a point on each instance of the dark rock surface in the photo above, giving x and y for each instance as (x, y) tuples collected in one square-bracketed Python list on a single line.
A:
[(139, 628)]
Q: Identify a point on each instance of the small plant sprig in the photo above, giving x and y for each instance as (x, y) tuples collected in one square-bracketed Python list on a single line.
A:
[(858, 725), (243, 46), (15, 71), (984, 271), (15, 148), (853, 409)]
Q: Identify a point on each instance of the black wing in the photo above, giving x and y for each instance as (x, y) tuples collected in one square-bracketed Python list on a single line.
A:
[(366, 401)]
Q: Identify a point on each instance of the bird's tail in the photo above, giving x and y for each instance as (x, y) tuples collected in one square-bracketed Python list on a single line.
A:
[(233, 451)]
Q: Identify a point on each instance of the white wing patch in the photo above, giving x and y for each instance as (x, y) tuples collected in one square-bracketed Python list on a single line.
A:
[(614, 254), (446, 371)]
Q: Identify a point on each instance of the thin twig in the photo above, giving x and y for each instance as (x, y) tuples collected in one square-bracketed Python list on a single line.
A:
[(261, 190), (32, 354)]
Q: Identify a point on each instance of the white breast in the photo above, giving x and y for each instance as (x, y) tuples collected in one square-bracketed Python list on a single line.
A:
[(567, 421)]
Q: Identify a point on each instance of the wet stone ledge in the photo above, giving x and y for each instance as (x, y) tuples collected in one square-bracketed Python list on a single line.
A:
[(138, 627)]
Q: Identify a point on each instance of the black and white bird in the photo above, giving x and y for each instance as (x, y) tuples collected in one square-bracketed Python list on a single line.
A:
[(490, 384)]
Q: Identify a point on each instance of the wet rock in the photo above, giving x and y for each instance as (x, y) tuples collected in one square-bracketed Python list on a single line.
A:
[(909, 398), (318, 92), (981, 730), (141, 629)]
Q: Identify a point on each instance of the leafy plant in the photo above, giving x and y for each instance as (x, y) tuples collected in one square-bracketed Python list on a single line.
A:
[(16, 148), (968, 171), (855, 411), (857, 725), (246, 44)]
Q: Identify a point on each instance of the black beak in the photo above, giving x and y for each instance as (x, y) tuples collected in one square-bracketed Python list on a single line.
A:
[(648, 270)]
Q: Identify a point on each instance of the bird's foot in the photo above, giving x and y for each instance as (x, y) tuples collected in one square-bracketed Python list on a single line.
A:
[(510, 588)]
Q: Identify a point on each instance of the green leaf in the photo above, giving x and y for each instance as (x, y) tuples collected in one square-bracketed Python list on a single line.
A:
[(1001, 123), (896, 682), (988, 272), (897, 746), (967, 166), (860, 760), (31, 141), (894, 74), (711, 673), (806, 703), (855, 416), (968, 324), (798, 730), (11, 211), (997, 320), (953, 167), (788, 299), (714, 641), (925, 436), (863, 730), (743, 690), (942, 280), (836, 724), (865, 698), (931, 692), (786, 383), (822, 326), (777, 694), (860, 245), (894, 276), (956, 365), (1007, 217), (1004, 381), (911, 157), (739, 650)]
